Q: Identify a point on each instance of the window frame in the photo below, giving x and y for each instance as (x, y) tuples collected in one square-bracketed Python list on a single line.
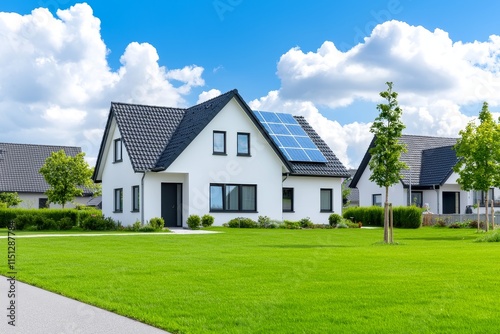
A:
[(118, 192), (117, 143), (226, 201), (330, 191), (136, 197), (291, 200), (223, 133), (373, 200), (247, 135)]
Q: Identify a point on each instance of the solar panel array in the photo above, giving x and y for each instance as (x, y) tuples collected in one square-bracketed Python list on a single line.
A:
[(289, 136)]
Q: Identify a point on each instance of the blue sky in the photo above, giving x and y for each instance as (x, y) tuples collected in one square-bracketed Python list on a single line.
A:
[(269, 51)]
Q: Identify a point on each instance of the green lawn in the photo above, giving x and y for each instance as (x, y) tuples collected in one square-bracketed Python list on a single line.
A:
[(278, 281)]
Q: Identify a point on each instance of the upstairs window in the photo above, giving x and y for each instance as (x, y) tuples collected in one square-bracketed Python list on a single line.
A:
[(117, 150), (243, 140), (219, 144), (326, 200)]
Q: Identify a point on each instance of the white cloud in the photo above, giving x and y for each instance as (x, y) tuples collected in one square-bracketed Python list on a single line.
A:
[(56, 84), (437, 80), (205, 96)]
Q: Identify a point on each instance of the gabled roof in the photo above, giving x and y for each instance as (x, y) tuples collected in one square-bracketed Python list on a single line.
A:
[(20, 165), (155, 136), (430, 159)]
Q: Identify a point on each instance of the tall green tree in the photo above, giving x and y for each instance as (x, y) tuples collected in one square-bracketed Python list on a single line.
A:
[(10, 199), (385, 164), (478, 151), (66, 176)]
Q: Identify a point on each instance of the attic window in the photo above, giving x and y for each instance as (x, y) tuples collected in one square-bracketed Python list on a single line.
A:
[(118, 150), (219, 144)]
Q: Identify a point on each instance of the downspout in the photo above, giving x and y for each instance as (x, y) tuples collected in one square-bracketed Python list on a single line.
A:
[(142, 197)]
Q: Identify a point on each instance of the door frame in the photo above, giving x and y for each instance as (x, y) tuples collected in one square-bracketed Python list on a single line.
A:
[(177, 204)]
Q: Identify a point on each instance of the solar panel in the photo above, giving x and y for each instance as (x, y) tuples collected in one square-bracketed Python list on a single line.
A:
[(289, 136)]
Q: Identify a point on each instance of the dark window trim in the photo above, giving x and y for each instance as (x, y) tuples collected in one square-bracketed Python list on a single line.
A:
[(330, 190), (292, 200), (120, 209), (247, 134), (134, 202), (240, 198), (373, 199), (421, 197), (115, 153), (483, 198), (213, 143)]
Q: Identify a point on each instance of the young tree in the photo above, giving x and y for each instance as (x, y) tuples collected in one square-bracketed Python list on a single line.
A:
[(66, 176), (10, 199), (478, 150), (385, 164)]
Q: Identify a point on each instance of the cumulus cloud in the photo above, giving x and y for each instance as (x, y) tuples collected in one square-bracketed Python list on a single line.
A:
[(205, 96), (56, 84), (438, 80)]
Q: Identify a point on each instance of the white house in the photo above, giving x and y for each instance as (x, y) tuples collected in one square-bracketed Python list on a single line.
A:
[(430, 179), (19, 172), (219, 158)]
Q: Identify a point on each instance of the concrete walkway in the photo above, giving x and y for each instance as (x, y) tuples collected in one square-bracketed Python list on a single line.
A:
[(42, 312), (38, 311)]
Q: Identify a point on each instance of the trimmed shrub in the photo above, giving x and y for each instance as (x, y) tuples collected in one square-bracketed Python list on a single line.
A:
[(147, 228), (264, 222), (194, 222), (306, 223), (241, 222), (404, 216), (24, 221), (207, 220), (407, 216), (157, 223), (334, 219), (76, 216), (290, 225), (99, 223)]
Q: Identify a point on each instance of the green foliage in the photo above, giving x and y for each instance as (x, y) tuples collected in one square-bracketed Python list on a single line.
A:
[(71, 217), (407, 216), (385, 164), (334, 219), (147, 228), (264, 221), (157, 223), (3, 205), (306, 223), (288, 224), (404, 216), (99, 223), (242, 222), (10, 199), (207, 220), (194, 222), (66, 176)]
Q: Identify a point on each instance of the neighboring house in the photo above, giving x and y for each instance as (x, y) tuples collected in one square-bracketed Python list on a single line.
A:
[(353, 198), (19, 172), (430, 178), (219, 158)]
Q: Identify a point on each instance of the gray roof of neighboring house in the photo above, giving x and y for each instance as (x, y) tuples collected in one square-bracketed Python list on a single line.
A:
[(431, 160), (20, 165), (155, 136)]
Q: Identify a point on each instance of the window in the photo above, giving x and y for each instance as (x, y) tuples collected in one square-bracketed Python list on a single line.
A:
[(233, 197), (377, 199), (43, 203), (481, 197), (118, 150), (287, 199), (219, 142), (243, 144), (135, 199), (118, 200), (416, 198), (326, 200)]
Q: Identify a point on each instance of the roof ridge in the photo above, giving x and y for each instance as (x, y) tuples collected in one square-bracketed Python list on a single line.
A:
[(44, 145), (147, 105), (428, 136), (232, 91)]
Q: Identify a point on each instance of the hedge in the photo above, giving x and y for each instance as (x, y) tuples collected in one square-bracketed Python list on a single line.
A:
[(404, 216), (75, 216)]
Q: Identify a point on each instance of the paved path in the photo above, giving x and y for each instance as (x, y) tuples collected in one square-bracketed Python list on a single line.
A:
[(38, 311), (43, 312)]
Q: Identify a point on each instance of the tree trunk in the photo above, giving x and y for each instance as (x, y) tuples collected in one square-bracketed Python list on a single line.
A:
[(391, 225), (487, 202), (386, 216)]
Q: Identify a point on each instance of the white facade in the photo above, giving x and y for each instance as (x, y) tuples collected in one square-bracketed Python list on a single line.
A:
[(32, 201), (197, 168)]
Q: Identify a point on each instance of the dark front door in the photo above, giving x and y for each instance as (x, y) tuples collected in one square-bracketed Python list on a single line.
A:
[(171, 204), (451, 202)]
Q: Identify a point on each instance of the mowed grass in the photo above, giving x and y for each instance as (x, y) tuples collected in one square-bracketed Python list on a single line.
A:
[(278, 281)]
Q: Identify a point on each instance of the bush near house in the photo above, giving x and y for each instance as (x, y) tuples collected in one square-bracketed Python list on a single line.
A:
[(61, 217), (207, 220), (157, 223), (99, 223), (194, 222), (404, 216)]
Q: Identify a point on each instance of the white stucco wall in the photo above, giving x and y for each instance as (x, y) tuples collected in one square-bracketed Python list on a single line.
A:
[(306, 192), (31, 200), (118, 175), (397, 194)]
